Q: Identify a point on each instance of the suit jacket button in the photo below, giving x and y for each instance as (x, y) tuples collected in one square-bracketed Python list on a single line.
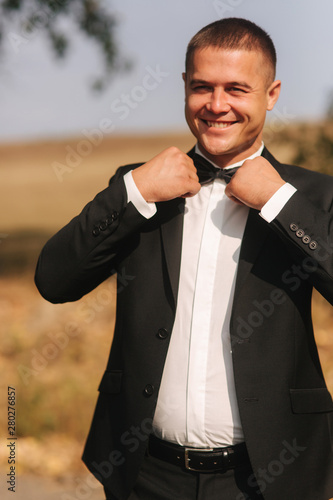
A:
[(313, 245), (306, 239), (300, 233), (148, 390), (293, 226), (162, 333), (103, 225), (95, 231)]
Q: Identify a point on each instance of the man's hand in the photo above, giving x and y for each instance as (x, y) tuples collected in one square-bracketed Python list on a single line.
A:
[(170, 174), (254, 183)]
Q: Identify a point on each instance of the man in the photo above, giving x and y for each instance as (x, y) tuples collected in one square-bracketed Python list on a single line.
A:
[(213, 387)]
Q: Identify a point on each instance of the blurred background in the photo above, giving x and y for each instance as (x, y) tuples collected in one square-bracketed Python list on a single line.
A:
[(86, 86)]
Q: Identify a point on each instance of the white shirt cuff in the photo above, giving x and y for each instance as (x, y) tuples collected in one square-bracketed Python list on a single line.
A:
[(146, 209), (276, 203)]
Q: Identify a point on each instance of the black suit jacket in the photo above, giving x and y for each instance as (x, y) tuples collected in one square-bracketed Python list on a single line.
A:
[(285, 408)]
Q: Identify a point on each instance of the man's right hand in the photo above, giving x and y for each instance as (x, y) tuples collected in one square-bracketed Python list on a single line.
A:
[(171, 174)]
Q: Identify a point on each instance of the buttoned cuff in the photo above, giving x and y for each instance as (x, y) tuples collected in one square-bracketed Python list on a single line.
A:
[(276, 203), (146, 209)]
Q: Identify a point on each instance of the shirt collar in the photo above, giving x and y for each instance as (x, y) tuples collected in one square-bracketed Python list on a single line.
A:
[(237, 164)]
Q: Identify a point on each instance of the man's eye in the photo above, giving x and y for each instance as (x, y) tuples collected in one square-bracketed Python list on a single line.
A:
[(237, 90), (201, 88)]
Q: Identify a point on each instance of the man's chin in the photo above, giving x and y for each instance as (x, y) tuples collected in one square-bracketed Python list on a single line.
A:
[(225, 150), (215, 150)]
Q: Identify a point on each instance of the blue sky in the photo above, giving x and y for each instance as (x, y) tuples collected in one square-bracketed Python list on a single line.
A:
[(41, 98)]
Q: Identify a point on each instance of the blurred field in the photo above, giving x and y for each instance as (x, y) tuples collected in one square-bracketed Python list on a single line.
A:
[(54, 355), (36, 196)]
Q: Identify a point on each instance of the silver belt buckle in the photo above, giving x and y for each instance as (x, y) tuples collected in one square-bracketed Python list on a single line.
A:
[(188, 460)]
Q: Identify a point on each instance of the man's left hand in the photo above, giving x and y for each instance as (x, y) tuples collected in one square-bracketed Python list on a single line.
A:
[(254, 183)]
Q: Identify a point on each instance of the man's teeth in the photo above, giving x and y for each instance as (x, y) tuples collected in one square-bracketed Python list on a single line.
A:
[(219, 124)]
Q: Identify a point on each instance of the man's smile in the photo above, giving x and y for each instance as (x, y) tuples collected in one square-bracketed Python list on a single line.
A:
[(219, 124)]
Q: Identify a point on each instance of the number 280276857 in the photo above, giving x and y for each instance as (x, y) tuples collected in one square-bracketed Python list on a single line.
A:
[(11, 411)]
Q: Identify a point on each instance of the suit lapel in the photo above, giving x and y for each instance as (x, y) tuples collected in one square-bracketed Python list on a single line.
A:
[(255, 234), (172, 216), (283, 171)]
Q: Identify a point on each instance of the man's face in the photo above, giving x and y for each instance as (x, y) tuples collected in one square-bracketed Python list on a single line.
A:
[(227, 94)]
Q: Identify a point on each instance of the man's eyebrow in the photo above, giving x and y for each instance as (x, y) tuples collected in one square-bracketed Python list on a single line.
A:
[(195, 81)]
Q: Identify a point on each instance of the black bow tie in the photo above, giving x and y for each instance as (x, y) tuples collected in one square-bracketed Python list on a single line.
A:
[(207, 172)]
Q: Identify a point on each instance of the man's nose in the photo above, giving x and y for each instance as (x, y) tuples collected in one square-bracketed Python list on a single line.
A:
[(218, 102)]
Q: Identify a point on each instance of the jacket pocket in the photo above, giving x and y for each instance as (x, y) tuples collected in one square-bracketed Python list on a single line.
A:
[(111, 382), (311, 400)]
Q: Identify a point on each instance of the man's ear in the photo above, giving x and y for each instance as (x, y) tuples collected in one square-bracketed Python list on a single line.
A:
[(184, 77), (273, 93)]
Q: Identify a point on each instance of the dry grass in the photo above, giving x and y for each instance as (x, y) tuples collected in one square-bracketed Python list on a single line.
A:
[(31, 195), (55, 355)]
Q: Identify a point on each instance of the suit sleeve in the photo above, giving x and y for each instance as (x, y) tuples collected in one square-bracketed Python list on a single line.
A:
[(307, 229), (84, 253)]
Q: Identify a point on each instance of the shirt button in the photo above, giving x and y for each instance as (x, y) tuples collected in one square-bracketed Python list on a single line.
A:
[(293, 226), (148, 390), (300, 233), (162, 333)]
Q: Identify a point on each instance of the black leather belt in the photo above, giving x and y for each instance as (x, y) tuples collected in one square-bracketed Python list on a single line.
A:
[(199, 459)]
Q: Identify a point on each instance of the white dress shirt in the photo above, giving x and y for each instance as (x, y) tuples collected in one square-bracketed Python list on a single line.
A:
[(197, 403)]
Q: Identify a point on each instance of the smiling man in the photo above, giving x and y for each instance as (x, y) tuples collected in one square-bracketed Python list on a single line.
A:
[(213, 388), (227, 96)]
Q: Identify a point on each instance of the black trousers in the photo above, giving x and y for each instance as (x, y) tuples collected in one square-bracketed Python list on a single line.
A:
[(159, 480)]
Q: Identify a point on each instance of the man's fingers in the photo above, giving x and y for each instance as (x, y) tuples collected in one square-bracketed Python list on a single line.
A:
[(194, 175), (230, 195), (254, 183), (168, 175)]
